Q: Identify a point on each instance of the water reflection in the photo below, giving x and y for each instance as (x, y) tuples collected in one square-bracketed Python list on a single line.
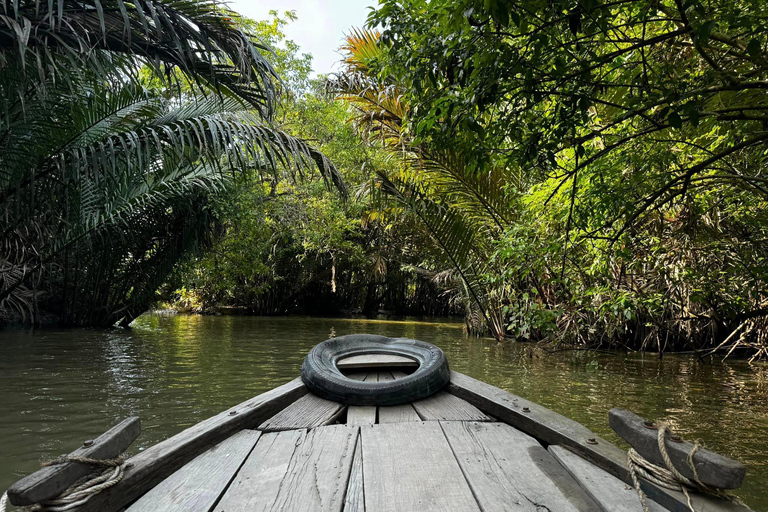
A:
[(61, 387)]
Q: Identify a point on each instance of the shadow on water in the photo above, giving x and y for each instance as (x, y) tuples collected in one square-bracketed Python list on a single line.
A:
[(60, 387)]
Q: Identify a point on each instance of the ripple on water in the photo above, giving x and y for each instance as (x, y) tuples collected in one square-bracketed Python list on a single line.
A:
[(60, 387)]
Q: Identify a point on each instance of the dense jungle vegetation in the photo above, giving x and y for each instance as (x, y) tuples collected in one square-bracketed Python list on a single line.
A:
[(590, 173)]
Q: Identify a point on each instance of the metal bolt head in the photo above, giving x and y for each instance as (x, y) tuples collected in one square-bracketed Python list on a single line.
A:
[(650, 425), (591, 440), (675, 438), (526, 409), (89, 442), (232, 413)]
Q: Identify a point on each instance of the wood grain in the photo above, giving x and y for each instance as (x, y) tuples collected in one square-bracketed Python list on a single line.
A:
[(153, 465), (398, 414), (609, 492), (445, 406), (294, 470), (354, 501), (410, 467), (51, 481), (198, 485), (553, 428), (711, 468), (361, 414), (307, 412), (498, 462), (375, 361)]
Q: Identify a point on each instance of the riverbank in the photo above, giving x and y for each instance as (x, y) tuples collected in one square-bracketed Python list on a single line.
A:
[(61, 386)]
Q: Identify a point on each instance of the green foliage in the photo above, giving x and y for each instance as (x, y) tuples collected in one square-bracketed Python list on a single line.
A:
[(636, 134), (109, 170), (291, 246)]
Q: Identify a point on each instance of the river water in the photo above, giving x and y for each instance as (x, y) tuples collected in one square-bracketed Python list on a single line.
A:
[(60, 387)]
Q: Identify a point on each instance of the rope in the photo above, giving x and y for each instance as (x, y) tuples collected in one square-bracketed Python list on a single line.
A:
[(669, 477), (82, 490)]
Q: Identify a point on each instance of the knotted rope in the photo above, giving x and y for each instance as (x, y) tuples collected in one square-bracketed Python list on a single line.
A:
[(82, 490), (669, 477)]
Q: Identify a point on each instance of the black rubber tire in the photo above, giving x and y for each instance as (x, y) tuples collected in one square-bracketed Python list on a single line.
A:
[(321, 375)]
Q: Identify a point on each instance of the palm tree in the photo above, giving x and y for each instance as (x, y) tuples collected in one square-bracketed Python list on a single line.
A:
[(463, 210), (118, 123)]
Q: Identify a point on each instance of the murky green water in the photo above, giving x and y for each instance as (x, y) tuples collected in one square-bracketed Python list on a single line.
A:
[(58, 388)]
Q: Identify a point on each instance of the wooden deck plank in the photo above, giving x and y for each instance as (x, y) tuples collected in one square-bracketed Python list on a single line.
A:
[(553, 428), (361, 415), (395, 413), (354, 501), (448, 407), (375, 361), (508, 471), (294, 470), (198, 485), (151, 466), (307, 412), (398, 414), (409, 467), (609, 492)]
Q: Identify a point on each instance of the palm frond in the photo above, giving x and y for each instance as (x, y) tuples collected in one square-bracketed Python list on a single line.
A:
[(200, 39)]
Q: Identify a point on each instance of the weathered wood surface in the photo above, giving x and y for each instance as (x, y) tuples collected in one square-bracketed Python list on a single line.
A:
[(609, 492), (712, 468), (504, 469), (153, 465), (357, 375), (294, 470), (553, 428), (375, 361), (361, 415), (410, 467), (562, 479), (445, 406), (307, 412), (398, 414), (51, 481), (198, 485), (354, 500)]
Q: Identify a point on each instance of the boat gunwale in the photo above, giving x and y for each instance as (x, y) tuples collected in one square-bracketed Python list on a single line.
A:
[(553, 428), (151, 466)]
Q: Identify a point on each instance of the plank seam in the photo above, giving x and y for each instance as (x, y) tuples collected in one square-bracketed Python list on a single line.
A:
[(234, 475), (296, 445), (358, 440), (333, 418), (461, 468)]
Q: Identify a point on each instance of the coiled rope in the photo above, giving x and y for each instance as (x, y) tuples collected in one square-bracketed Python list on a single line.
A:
[(669, 477), (82, 490)]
